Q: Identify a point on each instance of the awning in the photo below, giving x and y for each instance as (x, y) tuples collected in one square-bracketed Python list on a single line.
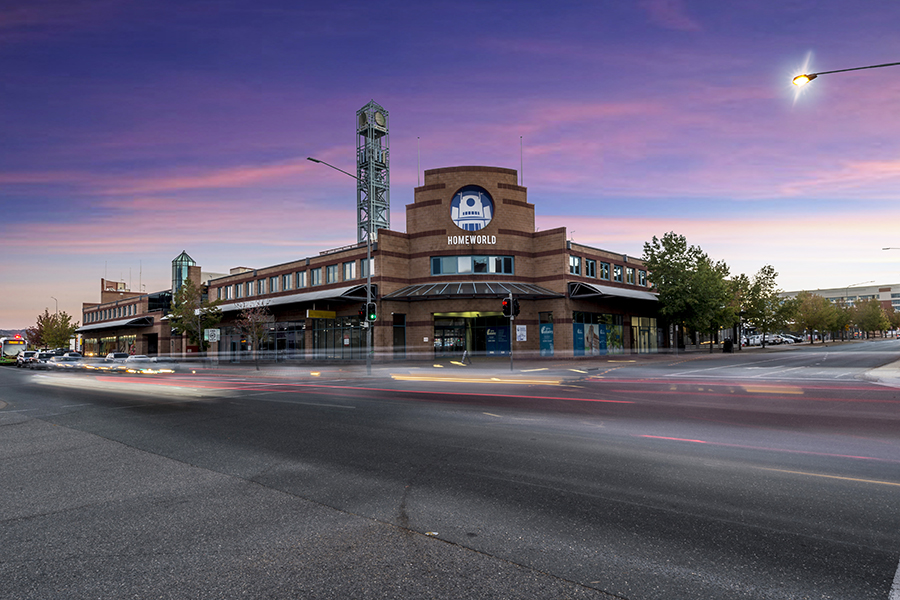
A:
[(353, 293), (471, 289), (135, 322), (589, 290)]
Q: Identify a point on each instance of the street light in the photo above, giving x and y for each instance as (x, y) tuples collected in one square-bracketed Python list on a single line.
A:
[(369, 323), (57, 305), (801, 80)]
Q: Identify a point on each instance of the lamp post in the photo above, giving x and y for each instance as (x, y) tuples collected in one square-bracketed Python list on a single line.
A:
[(368, 324), (801, 80), (57, 305)]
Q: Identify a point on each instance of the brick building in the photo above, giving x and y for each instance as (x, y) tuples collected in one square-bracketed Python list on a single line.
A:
[(470, 242)]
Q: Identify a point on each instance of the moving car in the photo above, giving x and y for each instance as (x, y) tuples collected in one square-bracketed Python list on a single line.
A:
[(41, 360)]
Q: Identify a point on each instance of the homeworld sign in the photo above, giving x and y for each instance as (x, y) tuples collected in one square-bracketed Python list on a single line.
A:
[(471, 239)]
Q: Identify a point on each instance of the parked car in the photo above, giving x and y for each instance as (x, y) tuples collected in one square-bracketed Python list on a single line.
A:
[(41, 360), (24, 356)]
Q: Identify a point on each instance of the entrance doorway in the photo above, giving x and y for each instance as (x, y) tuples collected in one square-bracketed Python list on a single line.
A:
[(481, 334)]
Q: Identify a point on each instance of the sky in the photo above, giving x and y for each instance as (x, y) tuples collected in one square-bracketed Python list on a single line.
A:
[(130, 131)]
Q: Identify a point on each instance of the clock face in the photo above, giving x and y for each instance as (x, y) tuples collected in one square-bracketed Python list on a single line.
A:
[(379, 119), (363, 121), (472, 208)]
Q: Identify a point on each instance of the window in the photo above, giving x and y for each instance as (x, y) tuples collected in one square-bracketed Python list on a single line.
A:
[(642, 278), (286, 281), (331, 274), (301, 279), (604, 271), (248, 286), (483, 265), (349, 270), (315, 276), (629, 275), (617, 273), (225, 292), (364, 267), (574, 265), (260, 286), (218, 293), (590, 268), (273, 284)]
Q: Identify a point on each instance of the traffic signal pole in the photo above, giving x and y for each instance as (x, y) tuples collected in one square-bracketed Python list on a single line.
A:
[(512, 318)]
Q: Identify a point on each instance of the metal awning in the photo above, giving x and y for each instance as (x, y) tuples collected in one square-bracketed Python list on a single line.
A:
[(471, 289), (135, 322), (353, 293), (589, 290)]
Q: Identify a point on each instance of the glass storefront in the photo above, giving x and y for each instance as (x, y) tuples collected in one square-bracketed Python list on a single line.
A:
[(284, 342), (595, 334)]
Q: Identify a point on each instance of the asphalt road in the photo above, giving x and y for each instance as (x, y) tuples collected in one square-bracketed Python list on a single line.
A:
[(756, 475)]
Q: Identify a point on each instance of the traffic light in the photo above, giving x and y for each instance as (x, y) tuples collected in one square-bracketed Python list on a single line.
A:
[(362, 312), (506, 307), (371, 312), (515, 307)]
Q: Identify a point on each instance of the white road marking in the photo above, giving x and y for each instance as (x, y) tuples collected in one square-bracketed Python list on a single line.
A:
[(895, 588)]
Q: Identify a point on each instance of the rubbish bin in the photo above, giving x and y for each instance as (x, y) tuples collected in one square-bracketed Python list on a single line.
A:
[(728, 346)]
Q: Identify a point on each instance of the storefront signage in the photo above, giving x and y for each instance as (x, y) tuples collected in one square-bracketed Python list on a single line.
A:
[(471, 239), (320, 314)]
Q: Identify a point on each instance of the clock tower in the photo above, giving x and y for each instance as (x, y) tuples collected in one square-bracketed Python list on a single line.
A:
[(373, 181)]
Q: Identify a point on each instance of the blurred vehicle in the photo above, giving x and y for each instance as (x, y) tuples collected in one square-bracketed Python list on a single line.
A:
[(795, 339), (41, 360), (117, 357), (24, 356), (73, 354), (140, 363), (64, 363)]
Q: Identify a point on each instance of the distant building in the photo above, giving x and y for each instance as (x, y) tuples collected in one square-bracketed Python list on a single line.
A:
[(887, 295)]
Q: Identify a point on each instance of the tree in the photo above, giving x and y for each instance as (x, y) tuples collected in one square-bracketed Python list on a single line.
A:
[(253, 321), (191, 314), (765, 307), (693, 290), (51, 330), (711, 299), (815, 312), (870, 316)]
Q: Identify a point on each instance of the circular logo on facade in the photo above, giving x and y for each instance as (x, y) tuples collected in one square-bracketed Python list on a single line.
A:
[(472, 208)]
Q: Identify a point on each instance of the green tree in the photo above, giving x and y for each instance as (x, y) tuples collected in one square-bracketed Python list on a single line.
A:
[(711, 298), (191, 314), (765, 308), (815, 312), (254, 322), (52, 330), (870, 316), (694, 291)]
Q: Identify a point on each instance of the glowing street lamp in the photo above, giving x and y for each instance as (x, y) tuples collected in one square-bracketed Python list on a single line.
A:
[(801, 80)]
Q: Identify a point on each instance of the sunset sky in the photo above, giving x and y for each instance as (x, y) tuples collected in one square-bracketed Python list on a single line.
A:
[(130, 130)]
